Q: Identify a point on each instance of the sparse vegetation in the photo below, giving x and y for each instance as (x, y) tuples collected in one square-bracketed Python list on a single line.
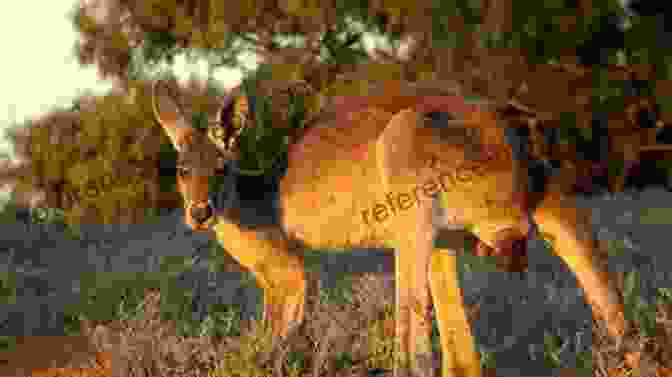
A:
[(350, 338), (348, 332)]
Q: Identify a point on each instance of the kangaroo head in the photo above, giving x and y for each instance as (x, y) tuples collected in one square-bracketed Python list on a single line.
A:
[(201, 153)]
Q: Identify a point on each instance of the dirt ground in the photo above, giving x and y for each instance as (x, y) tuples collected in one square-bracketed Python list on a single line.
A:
[(54, 356)]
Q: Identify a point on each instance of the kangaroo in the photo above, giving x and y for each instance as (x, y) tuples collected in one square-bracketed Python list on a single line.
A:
[(383, 175)]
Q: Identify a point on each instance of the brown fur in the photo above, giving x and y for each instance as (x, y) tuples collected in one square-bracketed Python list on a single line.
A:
[(333, 176)]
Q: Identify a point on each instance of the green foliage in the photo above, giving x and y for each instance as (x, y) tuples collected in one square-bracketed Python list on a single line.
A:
[(8, 286), (8, 213), (167, 158), (552, 347), (568, 132), (584, 364), (263, 144), (259, 144), (636, 309), (216, 257), (107, 297), (221, 320), (119, 297), (342, 46), (159, 44), (97, 160), (7, 343), (537, 27), (159, 47)]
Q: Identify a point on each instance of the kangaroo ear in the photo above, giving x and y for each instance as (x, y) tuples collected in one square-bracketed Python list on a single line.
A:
[(168, 113)]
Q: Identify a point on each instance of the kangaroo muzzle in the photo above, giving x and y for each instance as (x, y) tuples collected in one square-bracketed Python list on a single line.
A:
[(201, 212)]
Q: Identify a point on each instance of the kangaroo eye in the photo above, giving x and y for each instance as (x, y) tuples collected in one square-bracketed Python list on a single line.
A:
[(182, 171)]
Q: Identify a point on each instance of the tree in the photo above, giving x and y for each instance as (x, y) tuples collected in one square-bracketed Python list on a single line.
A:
[(491, 48), (456, 37)]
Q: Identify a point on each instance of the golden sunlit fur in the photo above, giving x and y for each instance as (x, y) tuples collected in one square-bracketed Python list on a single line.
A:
[(339, 191)]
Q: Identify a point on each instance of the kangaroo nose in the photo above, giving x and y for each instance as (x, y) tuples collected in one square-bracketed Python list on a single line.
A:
[(201, 213)]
